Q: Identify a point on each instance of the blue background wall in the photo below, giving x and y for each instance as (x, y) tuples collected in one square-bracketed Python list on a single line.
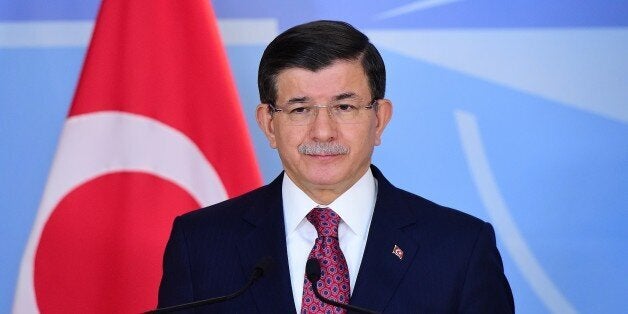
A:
[(513, 111)]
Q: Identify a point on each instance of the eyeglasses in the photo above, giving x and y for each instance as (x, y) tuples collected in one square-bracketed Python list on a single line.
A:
[(343, 111)]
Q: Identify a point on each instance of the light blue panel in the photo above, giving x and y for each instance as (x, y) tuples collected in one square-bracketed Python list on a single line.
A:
[(561, 171), (25, 10), (435, 14), (36, 88)]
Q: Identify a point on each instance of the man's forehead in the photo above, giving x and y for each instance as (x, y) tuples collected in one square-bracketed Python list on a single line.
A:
[(341, 80)]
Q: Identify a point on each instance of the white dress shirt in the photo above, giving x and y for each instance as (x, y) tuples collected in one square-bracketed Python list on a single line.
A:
[(355, 207)]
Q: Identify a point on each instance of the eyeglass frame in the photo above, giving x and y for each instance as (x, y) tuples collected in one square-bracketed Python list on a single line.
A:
[(373, 104)]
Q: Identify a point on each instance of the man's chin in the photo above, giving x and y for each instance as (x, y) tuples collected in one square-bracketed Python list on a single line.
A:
[(325, 178)]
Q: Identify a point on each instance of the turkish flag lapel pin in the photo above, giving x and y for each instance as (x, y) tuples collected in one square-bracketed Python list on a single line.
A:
[(398, 252)]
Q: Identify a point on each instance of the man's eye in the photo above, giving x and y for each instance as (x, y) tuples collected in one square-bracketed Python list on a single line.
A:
[(344, 107), (299, 110)]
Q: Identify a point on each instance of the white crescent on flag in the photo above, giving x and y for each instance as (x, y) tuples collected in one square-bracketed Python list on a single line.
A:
[(107, 134)]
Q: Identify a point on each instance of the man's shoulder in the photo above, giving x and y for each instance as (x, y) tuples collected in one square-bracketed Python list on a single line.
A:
[(435, 212), (227, 212), (437, 222), (446, 232), (423, 210)]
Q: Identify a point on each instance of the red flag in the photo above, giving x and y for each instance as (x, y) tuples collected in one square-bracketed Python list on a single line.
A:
[(155, 130)]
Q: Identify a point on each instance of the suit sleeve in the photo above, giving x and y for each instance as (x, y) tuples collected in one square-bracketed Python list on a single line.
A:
[(176, 283), (486, 289)]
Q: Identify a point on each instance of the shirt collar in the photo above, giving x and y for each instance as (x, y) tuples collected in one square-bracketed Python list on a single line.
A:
[(355, 206)]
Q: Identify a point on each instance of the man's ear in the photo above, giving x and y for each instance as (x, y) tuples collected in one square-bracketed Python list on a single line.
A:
[(265, 122), (383, 115)]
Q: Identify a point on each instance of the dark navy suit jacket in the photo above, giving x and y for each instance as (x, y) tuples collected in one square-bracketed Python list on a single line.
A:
[(450, 262)]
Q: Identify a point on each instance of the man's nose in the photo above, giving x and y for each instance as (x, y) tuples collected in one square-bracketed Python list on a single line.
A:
[(323, 128)]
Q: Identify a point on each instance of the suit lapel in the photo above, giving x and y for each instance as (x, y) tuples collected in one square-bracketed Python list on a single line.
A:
[(381, 270), (267, 238)]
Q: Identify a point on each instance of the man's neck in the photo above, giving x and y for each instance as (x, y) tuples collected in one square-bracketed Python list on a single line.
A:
[(325, 195)]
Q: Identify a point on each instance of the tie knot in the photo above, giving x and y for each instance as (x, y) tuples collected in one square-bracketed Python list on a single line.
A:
[(325, 221)]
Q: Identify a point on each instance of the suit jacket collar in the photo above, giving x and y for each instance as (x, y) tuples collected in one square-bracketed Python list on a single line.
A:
[(268, 238), (381, 269)]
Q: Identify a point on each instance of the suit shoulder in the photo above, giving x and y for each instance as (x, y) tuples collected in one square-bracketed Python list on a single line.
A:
[(226, 212), (438, 215), (430, 214)]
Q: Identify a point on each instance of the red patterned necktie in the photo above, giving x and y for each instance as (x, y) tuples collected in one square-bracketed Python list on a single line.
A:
[(334, 281)]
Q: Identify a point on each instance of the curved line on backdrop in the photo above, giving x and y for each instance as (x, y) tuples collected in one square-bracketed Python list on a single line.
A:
[(499, 214), (413, 7), (100, 143)]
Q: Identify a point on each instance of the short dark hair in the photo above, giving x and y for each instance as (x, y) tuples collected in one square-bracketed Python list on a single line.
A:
[(316, 45)]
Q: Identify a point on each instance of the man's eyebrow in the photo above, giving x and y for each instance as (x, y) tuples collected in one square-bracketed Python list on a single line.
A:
[(345, 96), (297, 100)]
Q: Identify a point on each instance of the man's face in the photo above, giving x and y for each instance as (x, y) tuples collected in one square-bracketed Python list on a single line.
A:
[(326, 174)]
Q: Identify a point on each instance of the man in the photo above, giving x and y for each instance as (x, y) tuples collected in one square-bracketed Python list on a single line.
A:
[(322, 88)]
